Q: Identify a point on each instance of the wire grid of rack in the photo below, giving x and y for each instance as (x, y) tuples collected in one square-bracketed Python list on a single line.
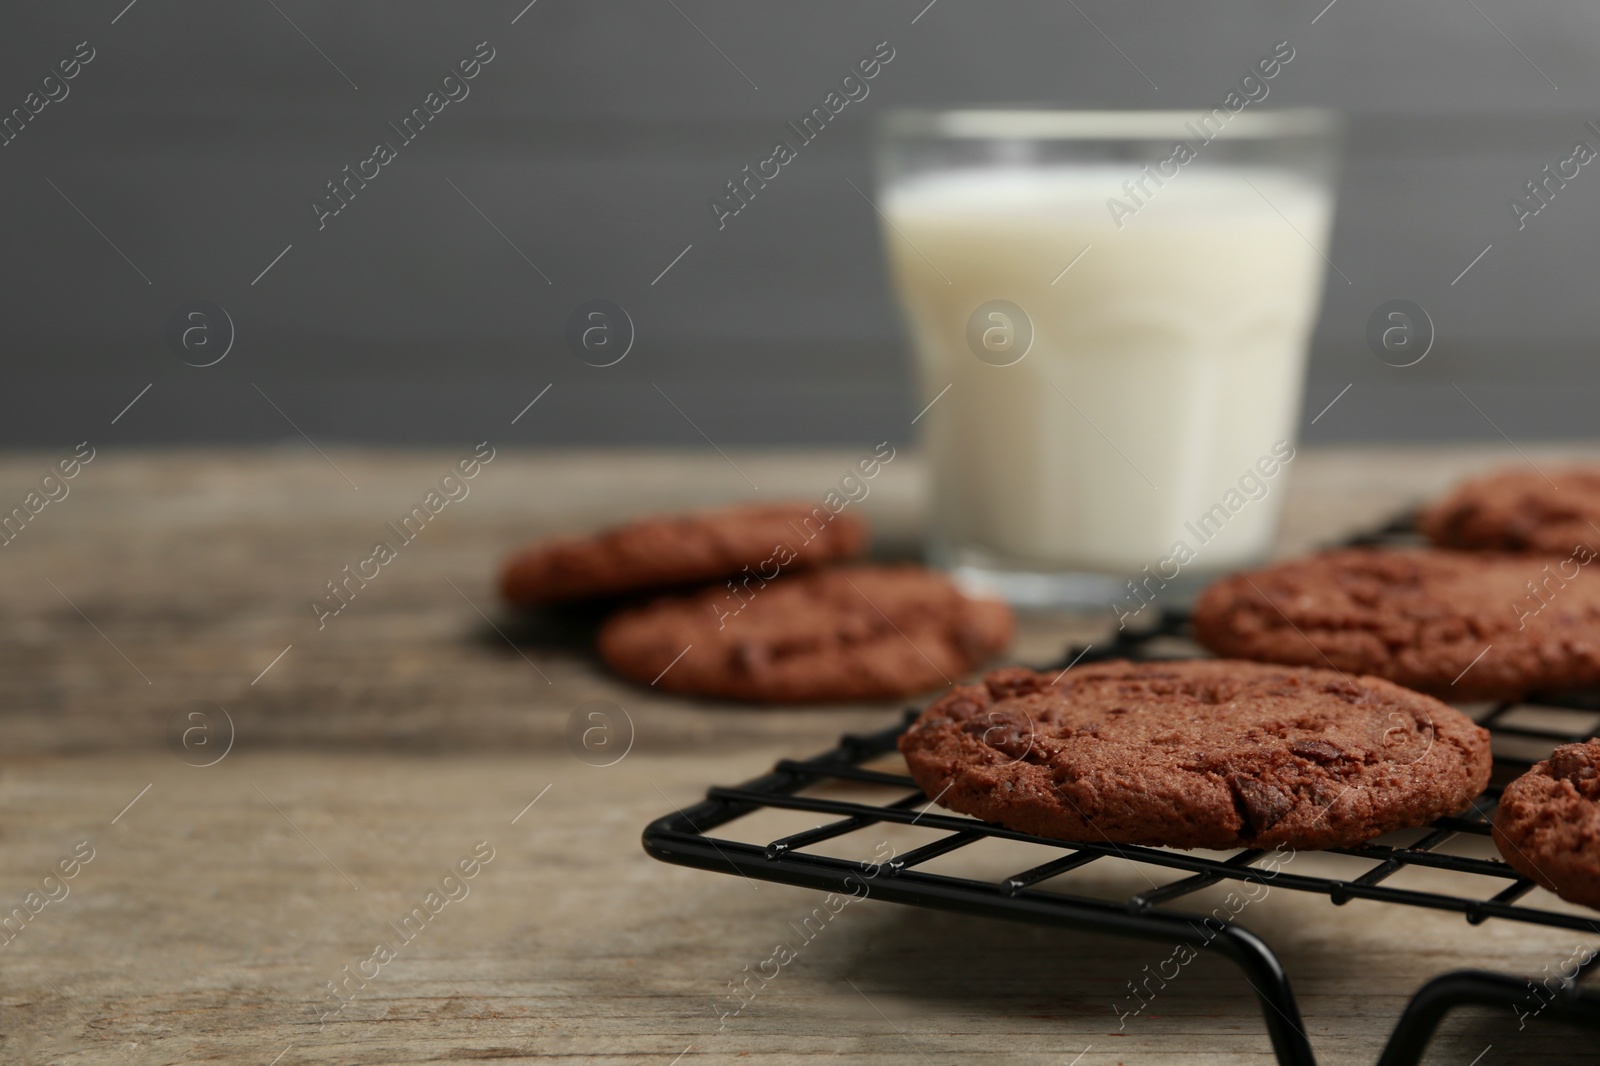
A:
[(684, 837)]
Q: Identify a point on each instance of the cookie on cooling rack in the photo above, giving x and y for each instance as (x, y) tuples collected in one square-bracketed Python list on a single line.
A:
[(656, 553), (851, 633), (1518, 509), (1548, 824), (1197, 754), (1458, 625)]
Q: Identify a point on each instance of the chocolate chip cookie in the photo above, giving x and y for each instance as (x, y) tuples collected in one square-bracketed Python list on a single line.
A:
[(1518, 509), (851, 633), (1197, 754), (1548, 825), (1458, 625), (657, 553)]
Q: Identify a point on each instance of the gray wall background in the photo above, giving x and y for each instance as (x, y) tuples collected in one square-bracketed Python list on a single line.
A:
[(196, 139)]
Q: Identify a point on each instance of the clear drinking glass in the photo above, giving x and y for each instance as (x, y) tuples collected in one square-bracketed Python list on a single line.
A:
[(1111, 313)]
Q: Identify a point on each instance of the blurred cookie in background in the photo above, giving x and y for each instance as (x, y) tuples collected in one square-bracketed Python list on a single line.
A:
[(847, 633), (753, 544), (1518, 509)]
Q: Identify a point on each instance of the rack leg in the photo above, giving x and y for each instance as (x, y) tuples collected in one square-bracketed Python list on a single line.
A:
[(1266, 975), (1480, 988)]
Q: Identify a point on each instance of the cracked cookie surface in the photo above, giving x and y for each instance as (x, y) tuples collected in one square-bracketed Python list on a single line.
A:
[(1197, 754), (850, 633), (1458, 625), (657, 553), (1548, 824)]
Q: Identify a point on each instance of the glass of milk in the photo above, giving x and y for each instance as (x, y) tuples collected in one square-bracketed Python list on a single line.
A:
[(1111, 313)]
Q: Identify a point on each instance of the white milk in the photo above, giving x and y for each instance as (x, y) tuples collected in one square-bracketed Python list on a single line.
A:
[(1180, 337)]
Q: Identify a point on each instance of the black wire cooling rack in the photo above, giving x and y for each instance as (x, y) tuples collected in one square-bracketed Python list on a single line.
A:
[(684, 837)]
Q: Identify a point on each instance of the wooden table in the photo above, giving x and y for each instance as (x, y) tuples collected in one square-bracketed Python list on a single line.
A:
[(377, 752)]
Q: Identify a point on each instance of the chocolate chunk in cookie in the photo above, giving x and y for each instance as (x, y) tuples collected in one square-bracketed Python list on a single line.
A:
[(1457, 625), (752, 543), (1197, 754), (1548, 824), (852, 633)]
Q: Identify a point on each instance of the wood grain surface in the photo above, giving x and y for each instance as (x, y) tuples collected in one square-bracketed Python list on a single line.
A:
[(379, 751)]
